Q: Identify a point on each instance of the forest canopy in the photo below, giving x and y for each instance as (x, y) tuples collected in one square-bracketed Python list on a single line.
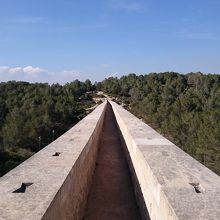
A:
[(33, 115), (183, 108)]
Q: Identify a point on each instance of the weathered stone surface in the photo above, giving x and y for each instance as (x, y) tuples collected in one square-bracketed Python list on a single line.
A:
[(60, 183), (167, 175)]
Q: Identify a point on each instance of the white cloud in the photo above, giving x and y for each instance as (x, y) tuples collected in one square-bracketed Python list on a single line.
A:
[(37, 74), (4, 69), (28, 71), (31, 71), (15, 70)]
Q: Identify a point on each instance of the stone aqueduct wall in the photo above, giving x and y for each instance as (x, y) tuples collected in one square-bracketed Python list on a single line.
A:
[(172, 183), (60, 183), (169, 184)]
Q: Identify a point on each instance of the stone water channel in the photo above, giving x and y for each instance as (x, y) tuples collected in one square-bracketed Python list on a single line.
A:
[(111, 195)]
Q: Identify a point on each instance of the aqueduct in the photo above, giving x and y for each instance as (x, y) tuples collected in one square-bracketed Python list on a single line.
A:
[(110, 165)]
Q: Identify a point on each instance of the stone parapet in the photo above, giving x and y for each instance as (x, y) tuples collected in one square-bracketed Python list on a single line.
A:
[(56, 186)]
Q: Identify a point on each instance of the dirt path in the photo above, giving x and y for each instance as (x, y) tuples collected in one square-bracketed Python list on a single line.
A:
[(111, 195)]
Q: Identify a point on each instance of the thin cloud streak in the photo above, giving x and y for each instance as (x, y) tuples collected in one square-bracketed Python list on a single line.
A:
[(125, 5), (199, 36), (27, 20)]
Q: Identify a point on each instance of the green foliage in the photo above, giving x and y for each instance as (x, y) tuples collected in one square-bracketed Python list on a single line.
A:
[(32, 115), (185, 108)]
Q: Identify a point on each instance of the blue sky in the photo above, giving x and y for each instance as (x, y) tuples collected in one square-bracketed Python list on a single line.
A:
[(61, 40)]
